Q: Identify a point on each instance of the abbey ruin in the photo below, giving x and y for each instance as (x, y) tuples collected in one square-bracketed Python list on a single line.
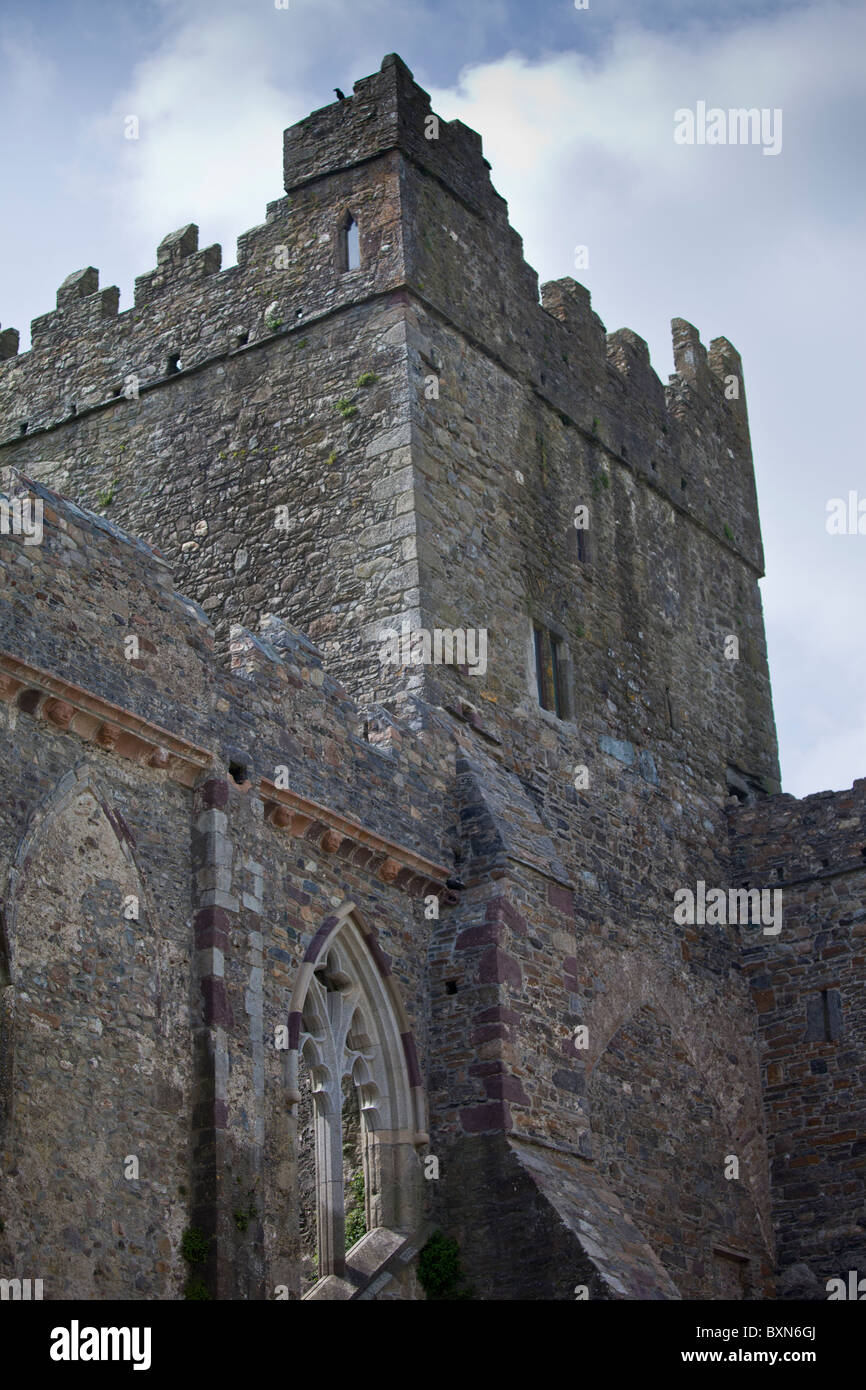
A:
[(314, 947)]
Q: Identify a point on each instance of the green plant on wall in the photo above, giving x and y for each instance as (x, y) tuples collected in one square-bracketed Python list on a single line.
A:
[(346, 408), (440, 1272), (107, 496), (194, 1247), (356, 1224), (196, 1290), (244, 1215)]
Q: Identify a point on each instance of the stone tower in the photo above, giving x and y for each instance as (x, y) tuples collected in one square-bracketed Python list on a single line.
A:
[(450, 880)]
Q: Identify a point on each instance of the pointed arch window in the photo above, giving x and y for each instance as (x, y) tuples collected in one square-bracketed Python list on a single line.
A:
[(348, 1026)]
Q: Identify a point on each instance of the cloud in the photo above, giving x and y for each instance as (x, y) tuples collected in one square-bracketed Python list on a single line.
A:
[(209, 124)]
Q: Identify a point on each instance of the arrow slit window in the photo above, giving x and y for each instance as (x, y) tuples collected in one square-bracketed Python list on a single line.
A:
[(349, 244)]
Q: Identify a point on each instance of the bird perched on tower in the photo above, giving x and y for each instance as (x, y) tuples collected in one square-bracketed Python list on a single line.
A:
[(341, 96)]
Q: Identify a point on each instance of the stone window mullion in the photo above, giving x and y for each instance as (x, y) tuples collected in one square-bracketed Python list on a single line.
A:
[(331, 1198)]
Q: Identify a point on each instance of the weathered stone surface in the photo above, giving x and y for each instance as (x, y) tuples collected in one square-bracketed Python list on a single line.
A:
[(808, 984), (293, 460)]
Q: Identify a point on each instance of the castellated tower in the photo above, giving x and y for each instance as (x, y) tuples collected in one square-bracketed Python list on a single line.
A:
[(425, 908)]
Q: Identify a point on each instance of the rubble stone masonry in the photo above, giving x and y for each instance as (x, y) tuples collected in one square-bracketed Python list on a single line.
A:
[(410, 875)]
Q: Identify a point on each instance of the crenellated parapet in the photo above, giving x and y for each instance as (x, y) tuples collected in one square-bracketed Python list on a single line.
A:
[(85, 353), (9, 339), (387, 112), (280, 426), (179, 265), (431, 223), (81, 308), (189, 313)]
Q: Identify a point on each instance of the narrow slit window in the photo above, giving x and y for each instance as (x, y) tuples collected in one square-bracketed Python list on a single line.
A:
[(352, 238), (549, 672), (831, 1007), (5, 972), (824, 1016), (556, 673), (540, 669)]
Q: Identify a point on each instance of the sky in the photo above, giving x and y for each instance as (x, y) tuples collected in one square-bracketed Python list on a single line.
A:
[(576, 110)]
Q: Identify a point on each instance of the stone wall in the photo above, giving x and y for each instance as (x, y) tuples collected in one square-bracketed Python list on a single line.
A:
[(96, 1028), (807, 985), (248, 400), (135, 779), (524, 956), (428, 428)]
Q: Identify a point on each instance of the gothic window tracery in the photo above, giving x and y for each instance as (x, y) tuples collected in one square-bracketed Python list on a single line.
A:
[(352, 1029)]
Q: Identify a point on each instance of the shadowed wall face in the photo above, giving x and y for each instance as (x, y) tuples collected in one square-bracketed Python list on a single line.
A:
[(86, 1024), (660, 1141)]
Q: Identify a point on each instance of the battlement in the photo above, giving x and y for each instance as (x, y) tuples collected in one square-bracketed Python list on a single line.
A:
[(443, 235), (389, 111), (178, 262), (289, 430), (80, 303), (794, 841)]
